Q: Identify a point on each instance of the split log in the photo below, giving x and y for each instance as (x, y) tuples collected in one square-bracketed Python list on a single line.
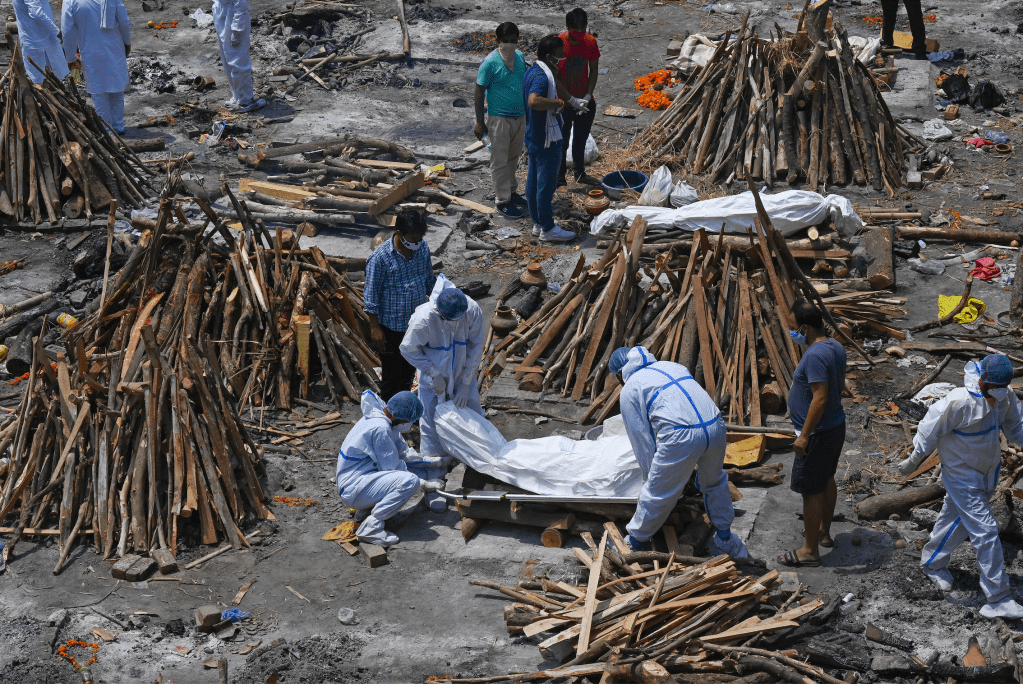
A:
[(994, 237), (880, 264)]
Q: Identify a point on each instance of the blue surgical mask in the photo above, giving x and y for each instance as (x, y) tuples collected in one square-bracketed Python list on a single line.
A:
[(998, 393), (797, 337), (411, 245)]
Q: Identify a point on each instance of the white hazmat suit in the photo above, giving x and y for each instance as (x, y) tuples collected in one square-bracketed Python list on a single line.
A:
[(38, 33), (964, 427), (234, 25), (674, 427), (100, 32), (371, 471)]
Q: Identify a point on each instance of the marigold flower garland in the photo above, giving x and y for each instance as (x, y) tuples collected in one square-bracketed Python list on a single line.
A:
[(62, 652), (654, 97)]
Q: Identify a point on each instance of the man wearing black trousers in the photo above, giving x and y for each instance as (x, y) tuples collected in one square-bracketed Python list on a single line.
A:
[(890, 9), (579, 74)]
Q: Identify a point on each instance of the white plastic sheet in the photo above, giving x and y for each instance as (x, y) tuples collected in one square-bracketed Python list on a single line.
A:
[(790, 211), (697, 49), (590, 155), (552, 466), (933, 393), (683, 194)]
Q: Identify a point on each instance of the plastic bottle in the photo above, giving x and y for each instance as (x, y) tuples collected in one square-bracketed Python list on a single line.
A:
[(218, 130), (929, 267), (486, 141), (347, 616)]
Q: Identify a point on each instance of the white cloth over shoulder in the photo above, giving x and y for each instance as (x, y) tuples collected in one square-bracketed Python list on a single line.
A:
[(38, 33), (790, 211), (553, 130), (102, 50), (553, 466)]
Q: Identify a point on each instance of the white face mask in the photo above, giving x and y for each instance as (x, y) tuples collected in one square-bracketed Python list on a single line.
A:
[(404, 427), (507, 51), (414, 246), (998, 393)]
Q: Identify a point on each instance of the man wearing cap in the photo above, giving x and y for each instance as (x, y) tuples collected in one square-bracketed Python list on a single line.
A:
[(444, 341), (964, 427), (674, 428), (372, 475)]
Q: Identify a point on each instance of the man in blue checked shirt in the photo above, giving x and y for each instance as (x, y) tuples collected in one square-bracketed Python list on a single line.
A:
[(399, 277)]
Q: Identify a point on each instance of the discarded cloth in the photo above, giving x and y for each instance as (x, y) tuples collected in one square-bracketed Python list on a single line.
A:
[(935, 129), (978, 142), (554, 466), (345, 532), (971, 312), (790, 211), (986, 269), (933, 392), (234, 615)]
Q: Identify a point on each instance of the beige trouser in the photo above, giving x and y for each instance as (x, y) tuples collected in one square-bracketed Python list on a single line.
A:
[(506, 139)]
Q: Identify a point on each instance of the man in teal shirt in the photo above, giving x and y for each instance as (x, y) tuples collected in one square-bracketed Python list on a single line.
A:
[(499, 82)]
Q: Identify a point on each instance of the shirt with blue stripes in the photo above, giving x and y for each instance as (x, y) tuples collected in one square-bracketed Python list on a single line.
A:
[(395, 286)]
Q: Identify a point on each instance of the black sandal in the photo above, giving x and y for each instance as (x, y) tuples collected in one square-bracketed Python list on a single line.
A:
[(792, 560)]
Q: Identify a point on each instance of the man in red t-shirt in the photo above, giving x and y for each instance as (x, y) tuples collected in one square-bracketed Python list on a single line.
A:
[(579, 74)]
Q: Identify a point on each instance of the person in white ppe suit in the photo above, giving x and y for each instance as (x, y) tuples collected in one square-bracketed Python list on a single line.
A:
[(372, 465), (674, 427), (234, 27), (38, 34), (444, 341), (100, 32), (964, 427)]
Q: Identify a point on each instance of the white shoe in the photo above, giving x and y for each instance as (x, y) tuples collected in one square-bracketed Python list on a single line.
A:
[(231, 104), (372, 531), (942, 578), (556, 234), (536, 230), (1006, 608)]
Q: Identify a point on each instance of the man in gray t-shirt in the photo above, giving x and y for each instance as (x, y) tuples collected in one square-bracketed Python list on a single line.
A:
[(815, 406)]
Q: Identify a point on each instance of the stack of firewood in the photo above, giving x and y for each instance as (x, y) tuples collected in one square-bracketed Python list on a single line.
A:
[(136, 428), (58, 157), (798, 107), (644, 615), (723, 310)]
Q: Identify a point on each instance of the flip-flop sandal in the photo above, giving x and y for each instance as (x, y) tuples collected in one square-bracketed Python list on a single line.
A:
[(792, 560), (826, 544), (837, 517)]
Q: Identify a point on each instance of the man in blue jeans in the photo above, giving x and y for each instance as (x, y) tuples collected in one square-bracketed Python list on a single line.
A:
[(544, 138)]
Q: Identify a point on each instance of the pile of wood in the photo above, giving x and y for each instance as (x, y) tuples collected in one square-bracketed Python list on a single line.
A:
[(798, 107), (58, 157), (644, 615), (725, 314), (341, 181), (136, 427)]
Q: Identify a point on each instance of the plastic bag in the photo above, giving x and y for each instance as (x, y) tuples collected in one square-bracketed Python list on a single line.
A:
[(553, 466), (591, 154), (202, 19), (658, 189), (930, 267), (936, 130), (683, 194)]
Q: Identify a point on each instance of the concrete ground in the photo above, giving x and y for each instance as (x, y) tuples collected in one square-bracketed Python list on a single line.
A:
[(418, 616)]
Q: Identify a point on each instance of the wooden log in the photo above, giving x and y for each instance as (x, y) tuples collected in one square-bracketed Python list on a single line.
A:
[(374, 555), (995, 237), (503, 511), (882, 506), (145, 144), (771, 399), (74, 207), (880, 260)]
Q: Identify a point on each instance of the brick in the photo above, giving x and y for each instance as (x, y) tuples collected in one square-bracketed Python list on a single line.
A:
[(140, 570), (166, 561), (674, 48), (121, 567), (207, 617)]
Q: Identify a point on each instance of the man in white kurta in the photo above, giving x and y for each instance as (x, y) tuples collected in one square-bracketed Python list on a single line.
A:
[(38, 33), (100, 32)]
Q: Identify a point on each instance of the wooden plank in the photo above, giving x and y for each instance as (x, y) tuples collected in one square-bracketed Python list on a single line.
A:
[(819, 253), (706, 353), (378, 164), (755, 418), (932, 461), (375, 555), (278, 190), (352, 549), (398, 193), (478, 145), (241, 592), (482, 208), (610, 299), (591, 599), (671, 539)]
